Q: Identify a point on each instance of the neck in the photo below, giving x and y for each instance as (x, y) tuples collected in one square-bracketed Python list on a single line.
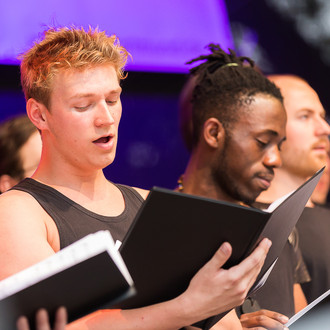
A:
[(71, 180)]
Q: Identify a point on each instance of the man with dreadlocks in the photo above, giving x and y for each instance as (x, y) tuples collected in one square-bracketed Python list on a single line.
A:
[(233, 122), (71, 80)]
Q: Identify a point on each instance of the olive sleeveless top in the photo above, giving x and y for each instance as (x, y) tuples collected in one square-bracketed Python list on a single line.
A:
[(74, 221)]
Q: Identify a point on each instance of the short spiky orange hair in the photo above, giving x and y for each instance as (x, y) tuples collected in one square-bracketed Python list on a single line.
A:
[(65, 48)]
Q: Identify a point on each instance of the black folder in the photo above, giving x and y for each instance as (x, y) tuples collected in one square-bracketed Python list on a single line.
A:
[(95, 282), (175, 234)]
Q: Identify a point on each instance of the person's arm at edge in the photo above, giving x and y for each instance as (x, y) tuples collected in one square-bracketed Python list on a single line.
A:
[(300, 300), (23, 233)]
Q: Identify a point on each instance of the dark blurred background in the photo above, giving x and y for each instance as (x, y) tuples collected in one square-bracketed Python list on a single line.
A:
[(282, 36)]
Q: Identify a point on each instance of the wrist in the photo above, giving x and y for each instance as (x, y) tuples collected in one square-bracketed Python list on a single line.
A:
[(188, 310)]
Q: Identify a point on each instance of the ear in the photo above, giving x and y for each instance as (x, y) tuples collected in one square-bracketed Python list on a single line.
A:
[(36, 111), (6, 182), (213, 132)]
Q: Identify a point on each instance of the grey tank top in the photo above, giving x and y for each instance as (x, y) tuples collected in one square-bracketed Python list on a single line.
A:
[(74, 221)]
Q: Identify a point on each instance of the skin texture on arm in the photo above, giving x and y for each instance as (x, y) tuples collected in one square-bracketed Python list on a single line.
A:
[(24, 241), (23, 233), (300, 301)]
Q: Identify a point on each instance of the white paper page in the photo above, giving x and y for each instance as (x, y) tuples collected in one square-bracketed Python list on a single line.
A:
[(263, 279), (277, 202), (307, 308)]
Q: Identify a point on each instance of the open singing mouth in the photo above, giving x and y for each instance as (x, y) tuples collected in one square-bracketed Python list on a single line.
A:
[(103, 139)]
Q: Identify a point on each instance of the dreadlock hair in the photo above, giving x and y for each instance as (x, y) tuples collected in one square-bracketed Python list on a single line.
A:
[(224, 84)]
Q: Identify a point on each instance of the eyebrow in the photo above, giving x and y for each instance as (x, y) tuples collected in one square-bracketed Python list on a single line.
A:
[(269, 131), (323, 113), (273, 133), (86, 95)]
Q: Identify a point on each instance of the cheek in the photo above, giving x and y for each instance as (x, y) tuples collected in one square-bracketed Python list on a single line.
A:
[(117, 119), (248, 164), (247, 154), (117, 115), (240, 167), (297, 132)]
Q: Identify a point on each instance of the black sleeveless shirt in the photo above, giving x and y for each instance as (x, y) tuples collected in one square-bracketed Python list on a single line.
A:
[(74, 221)]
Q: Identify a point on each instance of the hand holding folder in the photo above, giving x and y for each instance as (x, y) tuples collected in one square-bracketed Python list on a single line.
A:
[(175, 234)]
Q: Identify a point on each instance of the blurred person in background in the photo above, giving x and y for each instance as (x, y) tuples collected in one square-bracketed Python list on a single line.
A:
[(320, 195), (304, 152), (20, 151)]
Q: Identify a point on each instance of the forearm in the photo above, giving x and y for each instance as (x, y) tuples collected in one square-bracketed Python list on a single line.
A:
[(212, 291), (169, 315)]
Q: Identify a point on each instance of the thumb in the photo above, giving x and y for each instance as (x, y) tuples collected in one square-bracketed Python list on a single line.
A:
[(220, 257)]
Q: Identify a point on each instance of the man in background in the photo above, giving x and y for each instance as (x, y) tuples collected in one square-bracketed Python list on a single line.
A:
[(20, 151), (321, 192), (233, 122), (290, 271), (303, 153)]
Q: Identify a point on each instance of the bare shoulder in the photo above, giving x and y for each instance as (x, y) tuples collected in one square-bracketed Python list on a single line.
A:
[(143, 192), (18, 206), (23, 232)]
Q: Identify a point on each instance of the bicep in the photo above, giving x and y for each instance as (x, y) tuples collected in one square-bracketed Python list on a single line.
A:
[(23, 235)]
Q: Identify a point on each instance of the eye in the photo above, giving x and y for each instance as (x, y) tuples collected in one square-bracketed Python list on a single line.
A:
[(261, 143), (304, 116), (112, 102), (82, 108)]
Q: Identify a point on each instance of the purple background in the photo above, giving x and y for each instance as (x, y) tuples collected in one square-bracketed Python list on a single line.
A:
[(162, 36)]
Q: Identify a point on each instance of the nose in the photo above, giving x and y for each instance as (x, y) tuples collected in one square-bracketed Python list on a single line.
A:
[(103, 116), (272, 157), (322, 127)]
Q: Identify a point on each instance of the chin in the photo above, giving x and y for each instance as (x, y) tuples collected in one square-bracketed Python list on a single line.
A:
[(102, 165), (249, 200), (318, 165), (107, 160)]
